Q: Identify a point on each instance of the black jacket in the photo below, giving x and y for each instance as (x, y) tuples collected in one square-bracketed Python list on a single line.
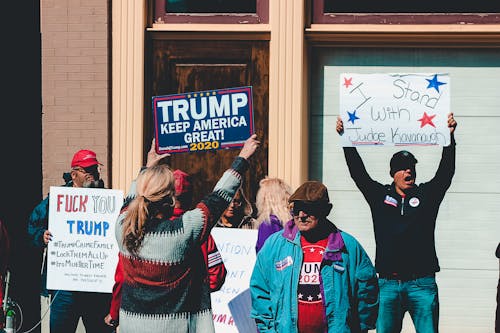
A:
[(404, 227)]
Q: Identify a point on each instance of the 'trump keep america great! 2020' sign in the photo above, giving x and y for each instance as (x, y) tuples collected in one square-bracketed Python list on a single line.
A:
[(203, 120)]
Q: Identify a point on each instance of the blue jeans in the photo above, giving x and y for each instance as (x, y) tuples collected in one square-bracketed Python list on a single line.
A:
[(419, 297), (68, 306)]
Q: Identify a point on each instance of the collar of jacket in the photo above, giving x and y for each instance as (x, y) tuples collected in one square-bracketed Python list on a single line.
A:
[(409, 193), (334, 246)]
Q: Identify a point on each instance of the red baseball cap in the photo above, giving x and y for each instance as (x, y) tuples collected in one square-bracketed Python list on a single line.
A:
[(84, 158), (182, 183)]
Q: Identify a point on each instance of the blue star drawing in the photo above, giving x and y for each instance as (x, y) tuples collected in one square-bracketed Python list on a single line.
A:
[(352, 116), (434, 83)]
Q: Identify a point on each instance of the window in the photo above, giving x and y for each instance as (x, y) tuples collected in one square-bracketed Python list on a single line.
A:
[(211, 11), (211, 6), (405, 12)]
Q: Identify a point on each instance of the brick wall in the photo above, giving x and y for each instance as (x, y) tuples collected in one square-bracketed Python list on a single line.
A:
[(75, 85)]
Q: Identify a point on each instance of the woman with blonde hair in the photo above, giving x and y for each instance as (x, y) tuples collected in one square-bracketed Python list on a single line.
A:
[(272, 207), (238, 214), (164, 287)]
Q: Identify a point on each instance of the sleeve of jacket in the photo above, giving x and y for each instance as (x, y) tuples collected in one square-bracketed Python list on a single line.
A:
[(116, 296), (38, 223), (262, 309), (358, 172), (367, 290), (446, 169), (215, 266), (211, 207)]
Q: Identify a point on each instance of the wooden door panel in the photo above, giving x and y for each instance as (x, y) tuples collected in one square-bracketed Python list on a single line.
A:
[(185, 66)]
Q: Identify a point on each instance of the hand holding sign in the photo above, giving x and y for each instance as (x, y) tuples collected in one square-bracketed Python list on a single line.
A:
[(250, 146), (153, 157)]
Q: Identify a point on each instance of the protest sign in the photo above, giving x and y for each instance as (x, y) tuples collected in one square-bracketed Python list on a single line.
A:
[(394, 109), (83, 253), (237, 248), (203, 120)]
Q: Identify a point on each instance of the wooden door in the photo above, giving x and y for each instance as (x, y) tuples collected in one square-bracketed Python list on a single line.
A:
[(179, 66)]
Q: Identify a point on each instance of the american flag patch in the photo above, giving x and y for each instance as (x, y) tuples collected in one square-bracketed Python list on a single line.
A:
[(282, 264), (390, 201), (214, 259)]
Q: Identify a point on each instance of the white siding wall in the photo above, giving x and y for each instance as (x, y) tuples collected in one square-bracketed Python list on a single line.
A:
[(468, 225)]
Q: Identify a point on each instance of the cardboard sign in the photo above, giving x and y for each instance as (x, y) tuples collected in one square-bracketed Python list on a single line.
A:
[(83, 253), (395, 109), (237, 248), (203, 120)]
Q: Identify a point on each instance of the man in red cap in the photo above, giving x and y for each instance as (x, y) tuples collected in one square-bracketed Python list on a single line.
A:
[(68, 306)]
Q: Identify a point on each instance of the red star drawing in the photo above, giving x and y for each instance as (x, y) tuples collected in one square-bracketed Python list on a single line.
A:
[(347, 82), (426, 120)]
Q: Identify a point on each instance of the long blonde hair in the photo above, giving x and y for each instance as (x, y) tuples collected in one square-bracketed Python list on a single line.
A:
[(155, 192), (272, 198)]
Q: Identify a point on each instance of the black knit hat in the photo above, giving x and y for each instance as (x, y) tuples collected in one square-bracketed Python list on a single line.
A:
[(402, 160)]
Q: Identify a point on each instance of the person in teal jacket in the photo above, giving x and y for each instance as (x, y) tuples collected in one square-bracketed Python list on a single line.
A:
[(311, 276)]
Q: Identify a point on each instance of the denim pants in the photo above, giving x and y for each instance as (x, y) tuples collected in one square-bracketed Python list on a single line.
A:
[(68, 306), (419, 297)]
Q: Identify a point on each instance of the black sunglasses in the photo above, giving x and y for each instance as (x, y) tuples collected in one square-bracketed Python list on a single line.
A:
[(309, 208), (91, 170)]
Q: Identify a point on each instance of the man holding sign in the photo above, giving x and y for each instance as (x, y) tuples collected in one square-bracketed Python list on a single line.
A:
[(404, 218), (68, 306)]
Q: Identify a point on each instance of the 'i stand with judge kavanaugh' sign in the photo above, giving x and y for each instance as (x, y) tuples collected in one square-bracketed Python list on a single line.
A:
[(395, 109), (203, 120)]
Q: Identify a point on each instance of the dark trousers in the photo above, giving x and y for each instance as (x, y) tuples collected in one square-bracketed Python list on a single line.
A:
[(68, 306)]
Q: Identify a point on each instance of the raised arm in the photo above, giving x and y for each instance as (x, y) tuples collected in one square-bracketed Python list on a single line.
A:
[(446, 169), (213, 205), (355, 164)]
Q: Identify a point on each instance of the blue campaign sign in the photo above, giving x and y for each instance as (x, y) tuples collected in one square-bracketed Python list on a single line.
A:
[(203, 120)]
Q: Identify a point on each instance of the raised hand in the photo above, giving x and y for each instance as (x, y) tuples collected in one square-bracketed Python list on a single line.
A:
[(340, 126), (452, 123), (250, 146), (153, 157)]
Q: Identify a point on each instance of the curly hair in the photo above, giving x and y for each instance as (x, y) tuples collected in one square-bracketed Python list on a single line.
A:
[(155, 195), (272, 199)]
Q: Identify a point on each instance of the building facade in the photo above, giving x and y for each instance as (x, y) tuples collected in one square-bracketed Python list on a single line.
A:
[(103, 61)]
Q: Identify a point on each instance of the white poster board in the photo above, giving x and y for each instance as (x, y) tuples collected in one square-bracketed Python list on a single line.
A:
[(394, 109), (237, 248), (83, 253)]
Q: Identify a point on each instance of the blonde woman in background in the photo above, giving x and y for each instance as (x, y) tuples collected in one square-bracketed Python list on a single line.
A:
[(272, 208)]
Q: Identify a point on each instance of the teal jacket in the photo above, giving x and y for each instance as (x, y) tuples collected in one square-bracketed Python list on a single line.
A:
[(348, 283)]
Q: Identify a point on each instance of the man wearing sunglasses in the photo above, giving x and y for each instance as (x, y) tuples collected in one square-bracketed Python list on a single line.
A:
[(68, 306), (311, 276)]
